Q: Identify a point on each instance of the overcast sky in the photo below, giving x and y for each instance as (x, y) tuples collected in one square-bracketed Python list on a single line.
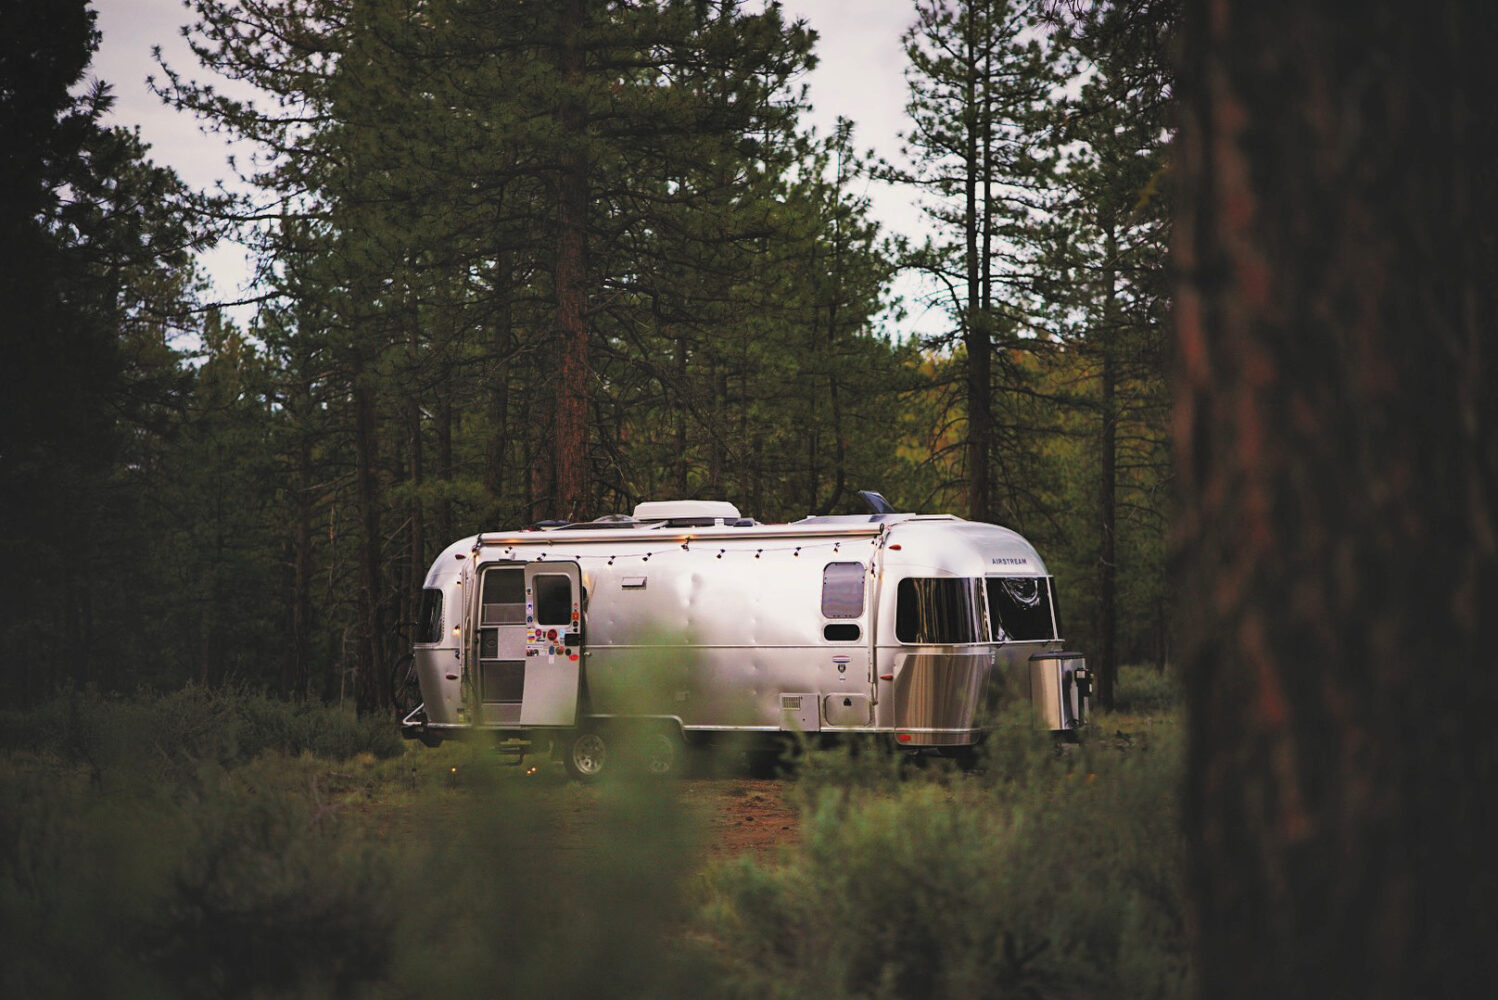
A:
[(860, 76)]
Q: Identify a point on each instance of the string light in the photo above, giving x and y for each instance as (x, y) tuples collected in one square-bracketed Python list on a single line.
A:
[(759, 553)]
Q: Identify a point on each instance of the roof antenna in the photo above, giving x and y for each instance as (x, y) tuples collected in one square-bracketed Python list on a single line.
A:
[(877, 503)]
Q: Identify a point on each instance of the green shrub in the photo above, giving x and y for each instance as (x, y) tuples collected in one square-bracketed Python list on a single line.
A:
[(546, 886), (211, 843), (440, 872), (269, 893), (1147, 691), (1049, 869), (241, 886), (170, 736)]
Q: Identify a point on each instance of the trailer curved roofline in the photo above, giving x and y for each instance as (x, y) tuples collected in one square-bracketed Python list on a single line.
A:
[(658, 530)]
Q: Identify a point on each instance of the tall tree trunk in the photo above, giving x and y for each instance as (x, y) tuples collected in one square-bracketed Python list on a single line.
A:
[(682, 465), (717, 459), (416, 542), (1107, 666), (977, 337), (298, 675), (443, 421), (1337, 446), (571, 276), (501, 343), (370, 691)]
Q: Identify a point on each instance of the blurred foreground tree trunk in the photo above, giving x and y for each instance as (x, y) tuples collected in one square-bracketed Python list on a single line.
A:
[(1338, 454)]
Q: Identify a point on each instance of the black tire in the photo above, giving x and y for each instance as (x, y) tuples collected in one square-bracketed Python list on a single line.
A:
[(405, 688), (586, 754), (661, 753)]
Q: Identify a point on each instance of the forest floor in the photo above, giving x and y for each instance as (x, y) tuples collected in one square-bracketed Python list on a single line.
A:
[(742, 815), (729, 812)]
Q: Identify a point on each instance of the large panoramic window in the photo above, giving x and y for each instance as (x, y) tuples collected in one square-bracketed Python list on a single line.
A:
[(1020, 608), (943, 610)]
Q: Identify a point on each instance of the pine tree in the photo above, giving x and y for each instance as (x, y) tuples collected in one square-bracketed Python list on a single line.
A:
[(980, 84), (98, 279), (1106, 273)]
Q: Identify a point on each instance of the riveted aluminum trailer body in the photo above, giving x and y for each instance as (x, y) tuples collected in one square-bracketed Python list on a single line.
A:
[(912, 626)]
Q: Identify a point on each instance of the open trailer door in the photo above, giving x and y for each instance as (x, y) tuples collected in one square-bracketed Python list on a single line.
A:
[(553, 644)]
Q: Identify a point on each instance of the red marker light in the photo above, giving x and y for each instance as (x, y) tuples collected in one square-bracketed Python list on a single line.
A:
[(903, 737), (895, 547)]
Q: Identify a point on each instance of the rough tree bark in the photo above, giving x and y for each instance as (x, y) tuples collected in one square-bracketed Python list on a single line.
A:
[(371, 693), (977, 335), (1338, 452), (1107, 337), (571, 278)]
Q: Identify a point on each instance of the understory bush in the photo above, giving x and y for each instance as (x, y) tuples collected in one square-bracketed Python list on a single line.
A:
[(207, 860), (213, 844), (1049, 870), (172, 735)]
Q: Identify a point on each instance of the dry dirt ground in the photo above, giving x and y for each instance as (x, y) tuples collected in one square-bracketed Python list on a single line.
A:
[(741, 814), (735, 813)]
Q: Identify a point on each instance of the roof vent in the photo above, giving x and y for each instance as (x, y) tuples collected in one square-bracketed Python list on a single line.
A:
[(674, 510)]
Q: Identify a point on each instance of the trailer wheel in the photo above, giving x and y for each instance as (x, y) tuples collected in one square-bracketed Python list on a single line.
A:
[(585, 754), (662, 754)]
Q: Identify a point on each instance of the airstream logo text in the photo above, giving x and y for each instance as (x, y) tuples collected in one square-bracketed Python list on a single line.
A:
[(1010, 561)]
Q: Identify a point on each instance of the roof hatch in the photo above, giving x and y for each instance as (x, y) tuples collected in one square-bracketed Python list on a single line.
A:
[(676, 510)]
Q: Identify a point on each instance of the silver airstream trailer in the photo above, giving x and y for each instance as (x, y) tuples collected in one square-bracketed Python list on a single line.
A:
[(688, 624)]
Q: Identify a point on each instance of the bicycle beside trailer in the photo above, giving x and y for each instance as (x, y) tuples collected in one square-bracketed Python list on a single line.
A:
[(688, 624)]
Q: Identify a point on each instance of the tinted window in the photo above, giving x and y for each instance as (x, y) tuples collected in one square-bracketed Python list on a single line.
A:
[(429, 622), (504, 586), (553, 600), (842, 590), (504, 596), (946, 610), (1021, 608), (841, 633)]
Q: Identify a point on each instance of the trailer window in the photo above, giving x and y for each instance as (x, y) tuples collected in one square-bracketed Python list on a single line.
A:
[(1021, 608), (842, 590), (429, 621), (553, 600), (504, 596), (943, 610)]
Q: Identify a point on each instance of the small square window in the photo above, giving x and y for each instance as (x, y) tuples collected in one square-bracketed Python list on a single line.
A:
[(553, 600), (842, 590)]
